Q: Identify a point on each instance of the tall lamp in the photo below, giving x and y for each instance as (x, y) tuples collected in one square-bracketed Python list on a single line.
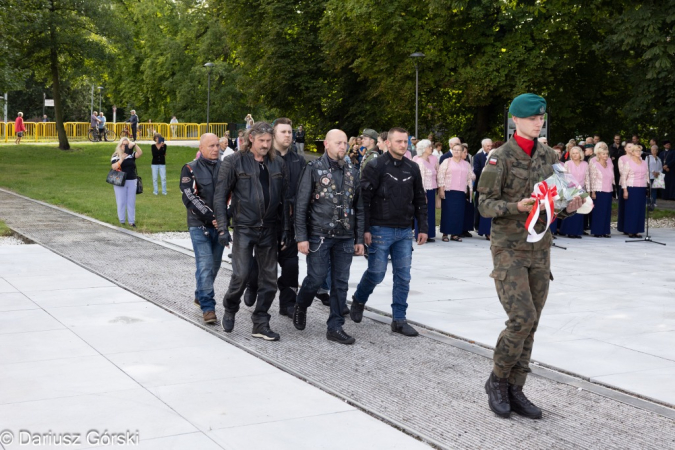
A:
[(208, 65), (416, 56)]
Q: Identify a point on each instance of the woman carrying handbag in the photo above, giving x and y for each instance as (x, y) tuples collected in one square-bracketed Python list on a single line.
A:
[(124, 159)]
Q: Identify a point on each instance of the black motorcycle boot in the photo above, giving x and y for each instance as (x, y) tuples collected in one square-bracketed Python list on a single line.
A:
[(356, 311), (228, 322), (521, 405), (299, 317), (497, 390)]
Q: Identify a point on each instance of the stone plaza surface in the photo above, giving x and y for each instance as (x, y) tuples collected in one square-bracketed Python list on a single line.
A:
[(79, 353), (609, 317)]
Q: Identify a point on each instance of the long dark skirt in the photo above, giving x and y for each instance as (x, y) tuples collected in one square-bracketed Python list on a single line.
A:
[(468, 216), (602, 213), (452, 213), (669, 192), (622, 211), (484, 226), (634, 220), (554, 226), (431, 214), (573, 226)]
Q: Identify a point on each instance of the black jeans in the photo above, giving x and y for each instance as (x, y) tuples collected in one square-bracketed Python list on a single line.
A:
[(134, 129), (287, 282), (264, 242), (324, 253)]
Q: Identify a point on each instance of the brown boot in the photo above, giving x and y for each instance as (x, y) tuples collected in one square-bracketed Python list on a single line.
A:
[(210, 317)]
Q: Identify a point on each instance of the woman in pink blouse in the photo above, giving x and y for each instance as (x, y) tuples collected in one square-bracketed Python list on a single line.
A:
[(633, 178), (429, 169), (19, 128), (573, 226), (455, 180), (600, 184)]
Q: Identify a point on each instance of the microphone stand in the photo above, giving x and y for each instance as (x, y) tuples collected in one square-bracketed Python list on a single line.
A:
[(647, 237)]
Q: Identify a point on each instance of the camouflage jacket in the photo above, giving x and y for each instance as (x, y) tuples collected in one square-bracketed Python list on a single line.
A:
[(508, 177), (368, 157)]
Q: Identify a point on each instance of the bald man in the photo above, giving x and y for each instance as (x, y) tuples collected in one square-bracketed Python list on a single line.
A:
[(197, 184), (329, 229)]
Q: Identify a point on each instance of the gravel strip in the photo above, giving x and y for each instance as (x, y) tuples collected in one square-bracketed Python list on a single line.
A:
[(10, 240)]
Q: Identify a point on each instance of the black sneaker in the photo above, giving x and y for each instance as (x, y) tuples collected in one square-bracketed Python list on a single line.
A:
[(521, 405), (402, 326), (356, 312), (325, 298), (249, 298), (498, 395), (345, 311), (299, 317), (263, 331), (340, 336), (228, 322), (467, 234)]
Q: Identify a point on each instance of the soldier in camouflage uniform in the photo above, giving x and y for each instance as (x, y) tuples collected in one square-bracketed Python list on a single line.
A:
[(369, 140), (521, 269)]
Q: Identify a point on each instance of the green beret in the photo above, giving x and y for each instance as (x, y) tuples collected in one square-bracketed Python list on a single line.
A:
[(526, 105)]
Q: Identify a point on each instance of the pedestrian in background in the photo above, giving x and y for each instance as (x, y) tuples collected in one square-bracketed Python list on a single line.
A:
[(173, 123), (158, 163), (133, 121), (455, 181), (224, 148), (19, 128), (428, 164), (600, 184), (655, 169), (93, 124), (634, 179), (124, 159), (300, 140), (249, 121), (101, 127), (573, 226), (197, 185)]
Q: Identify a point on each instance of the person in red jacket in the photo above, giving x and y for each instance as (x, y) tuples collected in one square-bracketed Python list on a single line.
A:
[(19, 128)]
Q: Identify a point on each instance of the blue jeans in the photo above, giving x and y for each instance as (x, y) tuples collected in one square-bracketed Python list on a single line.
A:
[(325, 253), (208, 256), (161, 168), (398, 243)]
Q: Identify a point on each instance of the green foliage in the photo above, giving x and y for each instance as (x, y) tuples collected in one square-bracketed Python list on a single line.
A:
[(76, 180), (4, 229)]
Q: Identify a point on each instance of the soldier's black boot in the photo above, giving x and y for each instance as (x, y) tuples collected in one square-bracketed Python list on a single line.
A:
[(521, 405), (498, 395)]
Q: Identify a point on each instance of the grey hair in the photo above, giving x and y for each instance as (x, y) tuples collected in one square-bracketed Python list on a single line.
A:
[(421, 146), (600, 147), (484, 141)]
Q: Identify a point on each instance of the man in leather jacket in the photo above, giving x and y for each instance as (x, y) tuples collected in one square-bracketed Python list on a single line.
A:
[(257, 179), (198, 184), (393, 195), (288, 255), (329, 229)]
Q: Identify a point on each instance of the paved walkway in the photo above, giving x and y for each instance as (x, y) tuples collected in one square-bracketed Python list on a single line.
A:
[(430, 386), (79, 353)]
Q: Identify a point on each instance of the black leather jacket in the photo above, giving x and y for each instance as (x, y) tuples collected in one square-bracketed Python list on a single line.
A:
[(198, 185), (239, 176), (328, 202), (393, 194), (294, 164)]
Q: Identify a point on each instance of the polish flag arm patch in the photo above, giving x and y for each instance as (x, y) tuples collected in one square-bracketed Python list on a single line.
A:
[(493, 161)]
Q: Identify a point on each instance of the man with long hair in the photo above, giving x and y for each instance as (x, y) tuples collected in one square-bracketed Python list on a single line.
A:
[(258, 182)]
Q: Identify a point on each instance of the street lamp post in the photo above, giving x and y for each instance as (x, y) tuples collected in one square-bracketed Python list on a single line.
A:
[(100, 88), (208, 65), (415, 56)]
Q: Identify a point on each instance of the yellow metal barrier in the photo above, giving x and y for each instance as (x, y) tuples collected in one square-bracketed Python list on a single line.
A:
[(79, 131)]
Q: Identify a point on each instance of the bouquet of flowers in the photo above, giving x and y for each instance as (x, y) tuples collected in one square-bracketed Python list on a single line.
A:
[(554, 194)]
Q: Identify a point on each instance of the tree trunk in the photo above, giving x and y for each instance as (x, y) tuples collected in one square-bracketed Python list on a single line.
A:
[(54, 62)]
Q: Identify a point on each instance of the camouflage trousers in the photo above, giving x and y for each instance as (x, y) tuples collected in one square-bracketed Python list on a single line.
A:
[(522, 278)]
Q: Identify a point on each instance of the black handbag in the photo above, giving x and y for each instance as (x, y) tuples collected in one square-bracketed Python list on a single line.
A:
[(139, 184), (116, 177)]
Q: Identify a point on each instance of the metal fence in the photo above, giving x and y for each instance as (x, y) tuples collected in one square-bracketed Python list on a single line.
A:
[(78, 131)]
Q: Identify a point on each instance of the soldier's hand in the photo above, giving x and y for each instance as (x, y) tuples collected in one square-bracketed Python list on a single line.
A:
[(575, 204), (303, 247), (421, 238), (358, 249), (367, 238), (525, 205)]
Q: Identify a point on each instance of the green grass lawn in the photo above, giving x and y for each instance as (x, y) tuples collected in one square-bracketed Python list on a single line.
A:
[(75, 179), (4, 229)]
